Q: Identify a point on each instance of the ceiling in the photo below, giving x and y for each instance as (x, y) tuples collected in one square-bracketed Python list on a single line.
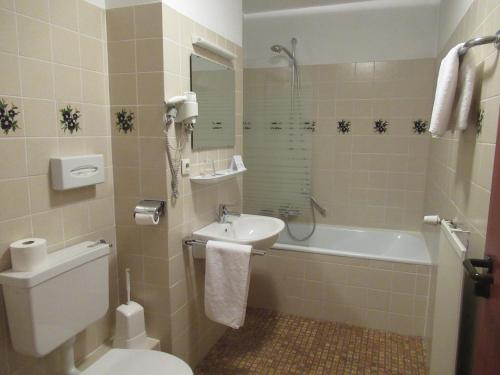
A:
[(257, 6)]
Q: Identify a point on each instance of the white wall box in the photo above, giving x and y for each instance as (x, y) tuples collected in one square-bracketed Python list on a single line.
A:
[(70, 172)]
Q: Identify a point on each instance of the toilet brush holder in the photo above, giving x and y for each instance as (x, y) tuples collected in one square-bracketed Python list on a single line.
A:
[(130, 328)]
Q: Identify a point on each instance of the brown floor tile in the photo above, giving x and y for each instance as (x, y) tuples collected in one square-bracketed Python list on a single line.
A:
[(272, 343)]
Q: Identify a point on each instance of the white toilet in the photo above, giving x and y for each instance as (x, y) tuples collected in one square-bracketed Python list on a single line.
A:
[(48, 308)]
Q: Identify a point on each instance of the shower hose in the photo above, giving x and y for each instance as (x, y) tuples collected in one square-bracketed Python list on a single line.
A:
[(285, 217)]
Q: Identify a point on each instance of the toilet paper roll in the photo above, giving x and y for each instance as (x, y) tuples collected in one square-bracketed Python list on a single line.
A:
[(146, 219), (29, 254)]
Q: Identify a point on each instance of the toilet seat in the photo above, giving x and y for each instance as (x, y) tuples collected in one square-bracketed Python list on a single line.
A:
[(138, 362)]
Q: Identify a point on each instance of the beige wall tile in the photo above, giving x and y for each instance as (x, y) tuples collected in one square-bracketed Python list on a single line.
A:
[(171, 56), (39, 118), (96, 120), (150, 119), (34, 38), (15, 200), (37, 9), (122, 57), (90, 19), (12, 158), (68, 84), (75, 220), (36, 78), (101, 213), (64, 13), (43, 198), (92, 54), (65, 46), (8, 38), (149, 55), (148, 21), (120, 24), (123, 89), (39, 152), (156, 271), (150, 88), (9, 79), (48, 225), (94, 87)]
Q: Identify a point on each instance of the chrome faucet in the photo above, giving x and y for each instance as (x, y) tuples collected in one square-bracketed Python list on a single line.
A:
[(224, 213)]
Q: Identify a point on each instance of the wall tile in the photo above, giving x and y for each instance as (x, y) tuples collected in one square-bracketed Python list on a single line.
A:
[(64, 13), (65, 45), (90, 19), (8, 40), (9, 79), (40, 150), (34, 38), (12, 158), (148, 21), (92, 54), (120, 24), (15, 198)]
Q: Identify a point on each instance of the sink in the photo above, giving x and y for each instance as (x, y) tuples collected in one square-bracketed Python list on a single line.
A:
[(259, 231)]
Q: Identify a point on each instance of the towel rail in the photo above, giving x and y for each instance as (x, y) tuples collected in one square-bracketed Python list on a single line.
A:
[(192, 241), (495, 39)]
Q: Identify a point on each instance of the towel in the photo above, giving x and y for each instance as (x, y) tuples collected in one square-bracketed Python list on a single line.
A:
[(465, 92), (445, 92), (227, 278)]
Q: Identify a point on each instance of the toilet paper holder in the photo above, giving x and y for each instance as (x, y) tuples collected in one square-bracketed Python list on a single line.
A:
[(150, 207)]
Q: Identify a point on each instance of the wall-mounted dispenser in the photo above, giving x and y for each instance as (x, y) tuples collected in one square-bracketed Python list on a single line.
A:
[(70, 172)]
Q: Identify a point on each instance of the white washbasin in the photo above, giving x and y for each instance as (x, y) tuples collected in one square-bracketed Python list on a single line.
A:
[(259, 231)]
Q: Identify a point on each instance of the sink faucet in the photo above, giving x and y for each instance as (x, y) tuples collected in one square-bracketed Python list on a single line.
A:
[(224, 213)]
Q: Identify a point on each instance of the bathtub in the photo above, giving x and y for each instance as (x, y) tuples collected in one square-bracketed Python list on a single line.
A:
[(377, 244), (372, 278)]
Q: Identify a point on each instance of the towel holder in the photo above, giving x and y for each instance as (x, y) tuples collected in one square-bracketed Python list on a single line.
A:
[(495, 39), (192, 242)]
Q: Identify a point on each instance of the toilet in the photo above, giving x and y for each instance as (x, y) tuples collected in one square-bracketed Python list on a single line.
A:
[(47, 308)]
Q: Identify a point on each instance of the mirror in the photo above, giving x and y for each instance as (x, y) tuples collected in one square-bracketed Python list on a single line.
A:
[(213, 84)]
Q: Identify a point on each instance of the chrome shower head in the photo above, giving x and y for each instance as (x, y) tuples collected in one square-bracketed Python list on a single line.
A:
[(278, 48)]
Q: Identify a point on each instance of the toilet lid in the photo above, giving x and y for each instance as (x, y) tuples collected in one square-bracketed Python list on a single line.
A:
[(138, 362)]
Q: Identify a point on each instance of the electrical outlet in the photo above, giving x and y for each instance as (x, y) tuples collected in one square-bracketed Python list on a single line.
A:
[(185, 166)]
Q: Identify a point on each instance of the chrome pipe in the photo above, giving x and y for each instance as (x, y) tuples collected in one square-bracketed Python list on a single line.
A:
[(192, 242), (495, 39)]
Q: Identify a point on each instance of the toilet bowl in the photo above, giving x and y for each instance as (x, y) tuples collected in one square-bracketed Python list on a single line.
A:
[(138, 362)]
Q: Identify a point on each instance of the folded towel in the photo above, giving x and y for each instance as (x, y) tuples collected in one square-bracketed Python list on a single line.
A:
[(227, 278), (445, 92), (465, 92)]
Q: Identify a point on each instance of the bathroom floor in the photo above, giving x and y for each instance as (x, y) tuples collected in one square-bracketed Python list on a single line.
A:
[(279, 344)]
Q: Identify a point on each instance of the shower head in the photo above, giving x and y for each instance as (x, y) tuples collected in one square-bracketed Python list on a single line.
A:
[(278, 48)]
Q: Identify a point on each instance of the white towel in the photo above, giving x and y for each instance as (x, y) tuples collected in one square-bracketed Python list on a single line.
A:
[(445, 92), (465, 92), (227, 278)]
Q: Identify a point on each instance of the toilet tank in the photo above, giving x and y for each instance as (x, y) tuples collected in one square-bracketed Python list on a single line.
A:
[(47, 307)]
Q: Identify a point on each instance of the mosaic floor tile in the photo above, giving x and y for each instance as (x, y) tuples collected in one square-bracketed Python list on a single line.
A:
[(273, 343)]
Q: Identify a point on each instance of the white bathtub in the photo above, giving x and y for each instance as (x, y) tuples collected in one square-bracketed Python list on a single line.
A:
[(379, 244)]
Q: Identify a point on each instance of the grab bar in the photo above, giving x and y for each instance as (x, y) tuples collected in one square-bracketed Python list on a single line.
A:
[(192, 241)]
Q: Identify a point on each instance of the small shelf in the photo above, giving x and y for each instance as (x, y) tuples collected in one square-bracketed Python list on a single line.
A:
[(221, 175)]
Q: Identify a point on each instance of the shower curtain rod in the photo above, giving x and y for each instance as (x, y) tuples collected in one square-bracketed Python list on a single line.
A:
[(480, 41)]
